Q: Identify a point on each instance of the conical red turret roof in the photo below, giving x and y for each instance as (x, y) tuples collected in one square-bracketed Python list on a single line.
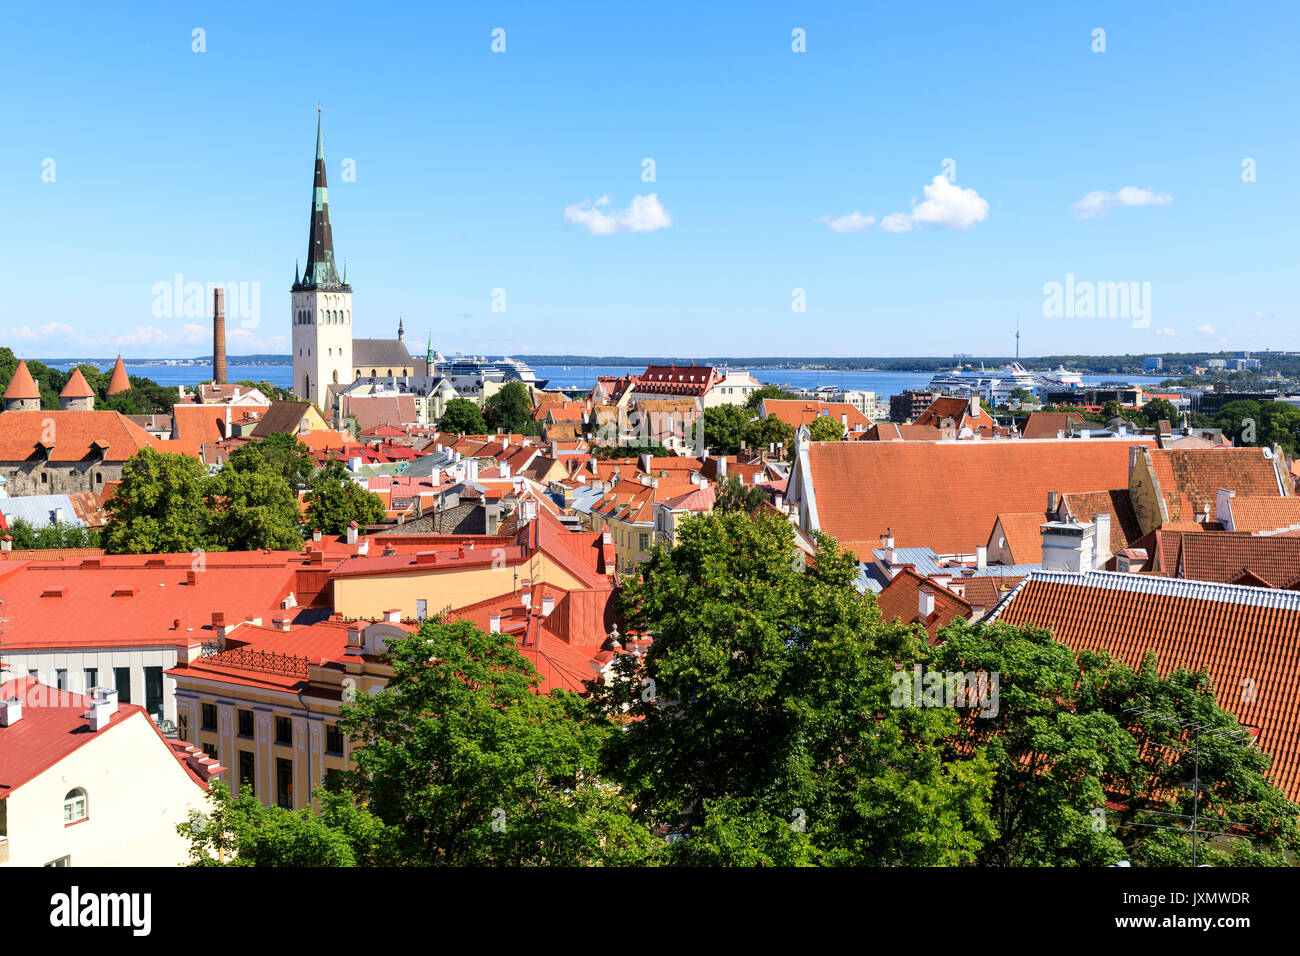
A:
[(119, 382), (77, 387), (22, 385)]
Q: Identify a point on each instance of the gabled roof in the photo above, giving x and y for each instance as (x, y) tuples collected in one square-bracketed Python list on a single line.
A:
[(53, 725), (1190, 478), (796, 412), (22, 385), (901, 601), (890, 431), (281, 417), (1224, 556), (1047, 424), (1124, 527), (1021, 535), (199, 423), (945, 495), (1243, 636), (76, 434), (381, 354)]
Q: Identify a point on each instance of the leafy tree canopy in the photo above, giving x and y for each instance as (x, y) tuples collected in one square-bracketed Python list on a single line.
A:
[(464, 417), (334, 501)]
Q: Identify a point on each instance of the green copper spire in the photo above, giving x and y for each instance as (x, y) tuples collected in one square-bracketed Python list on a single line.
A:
[(295, 271), (320, 272), (428, 356)]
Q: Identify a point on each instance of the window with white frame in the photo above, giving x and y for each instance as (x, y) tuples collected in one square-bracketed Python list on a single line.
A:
[(74, 806)]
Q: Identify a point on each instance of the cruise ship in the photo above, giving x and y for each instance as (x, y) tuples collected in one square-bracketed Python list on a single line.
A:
[(995, 385), (1062, 376), (478, 369)]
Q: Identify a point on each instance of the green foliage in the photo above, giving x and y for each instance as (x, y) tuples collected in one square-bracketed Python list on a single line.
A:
[(654, 450), (252, 506), (1065, 738), (826, 428), (1158, 409), (468, 765), (282, 452), (763, 432), (756, 397), (334, 501), (725, 427), (1261, 424), (734, 495), (240, 831), (159, 506), (463, 417), (511, 409), (765, 700), (51, 536)]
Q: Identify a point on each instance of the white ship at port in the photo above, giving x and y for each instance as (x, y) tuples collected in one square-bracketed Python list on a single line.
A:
[(994, 385), (1062, 376)]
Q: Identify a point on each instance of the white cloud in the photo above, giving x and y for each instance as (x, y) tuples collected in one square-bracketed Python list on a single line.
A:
[(1099, 202), (854, 222), (946, 204), (645, 214), (1163, 332), (1205, 329), (1263, 315)]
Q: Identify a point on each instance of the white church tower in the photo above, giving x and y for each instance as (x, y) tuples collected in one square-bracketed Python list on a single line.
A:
[(322, 306)]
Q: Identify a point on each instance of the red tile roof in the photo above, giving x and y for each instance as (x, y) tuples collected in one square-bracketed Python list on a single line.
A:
[(945, 495), (1254, 514), (1190, 478), (1224, 556), (77, 386), (119, 381), (70, 436), (1021, 535), (135, 600), (53, 725), (901, 601), (199, 423), (890, 431), (1237, 634), (1047, 424), (796, 412), (1124, 527)]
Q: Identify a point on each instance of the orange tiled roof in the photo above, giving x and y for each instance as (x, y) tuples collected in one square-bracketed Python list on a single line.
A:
[(22, 385), (1191, 477), (1047, 424), (1022, 535), (891, 431), (1124, 527), (1224, 556), (901, 601), (77, 386), (75, 435), (1237, 634), (199, 423), (1254, 514), (945, 495), (796, 412)]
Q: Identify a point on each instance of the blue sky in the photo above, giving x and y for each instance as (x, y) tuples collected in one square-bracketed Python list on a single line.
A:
[(167, 161)]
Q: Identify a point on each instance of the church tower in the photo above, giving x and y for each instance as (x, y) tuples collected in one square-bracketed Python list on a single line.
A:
[(322, 305)]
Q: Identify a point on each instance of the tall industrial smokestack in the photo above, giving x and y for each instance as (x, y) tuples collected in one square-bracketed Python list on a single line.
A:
[(219, 336)]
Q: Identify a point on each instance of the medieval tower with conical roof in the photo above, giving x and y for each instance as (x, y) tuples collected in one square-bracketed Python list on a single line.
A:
[(322, 305)]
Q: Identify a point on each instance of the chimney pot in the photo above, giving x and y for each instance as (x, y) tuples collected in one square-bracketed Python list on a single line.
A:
[(11, 711), (494, 623)]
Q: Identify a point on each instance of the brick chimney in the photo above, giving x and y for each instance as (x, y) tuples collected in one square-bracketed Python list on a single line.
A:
[(219, 336)]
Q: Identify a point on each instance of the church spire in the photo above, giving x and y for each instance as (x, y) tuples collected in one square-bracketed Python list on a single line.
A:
[(320, 273), (401, 332)]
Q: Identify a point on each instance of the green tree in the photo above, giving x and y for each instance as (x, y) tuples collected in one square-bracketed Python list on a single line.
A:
[(511, 409), (467, 764), (51, 536), (240, 831), (725, 427), (826, 428), (756, 397), (1233, 417), (765, 698), (734, 495), (1082, 772), (159, 506), (283, 452), (463, 417), (252, 507), (1159, 409), (763, 432), (334, 501)]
